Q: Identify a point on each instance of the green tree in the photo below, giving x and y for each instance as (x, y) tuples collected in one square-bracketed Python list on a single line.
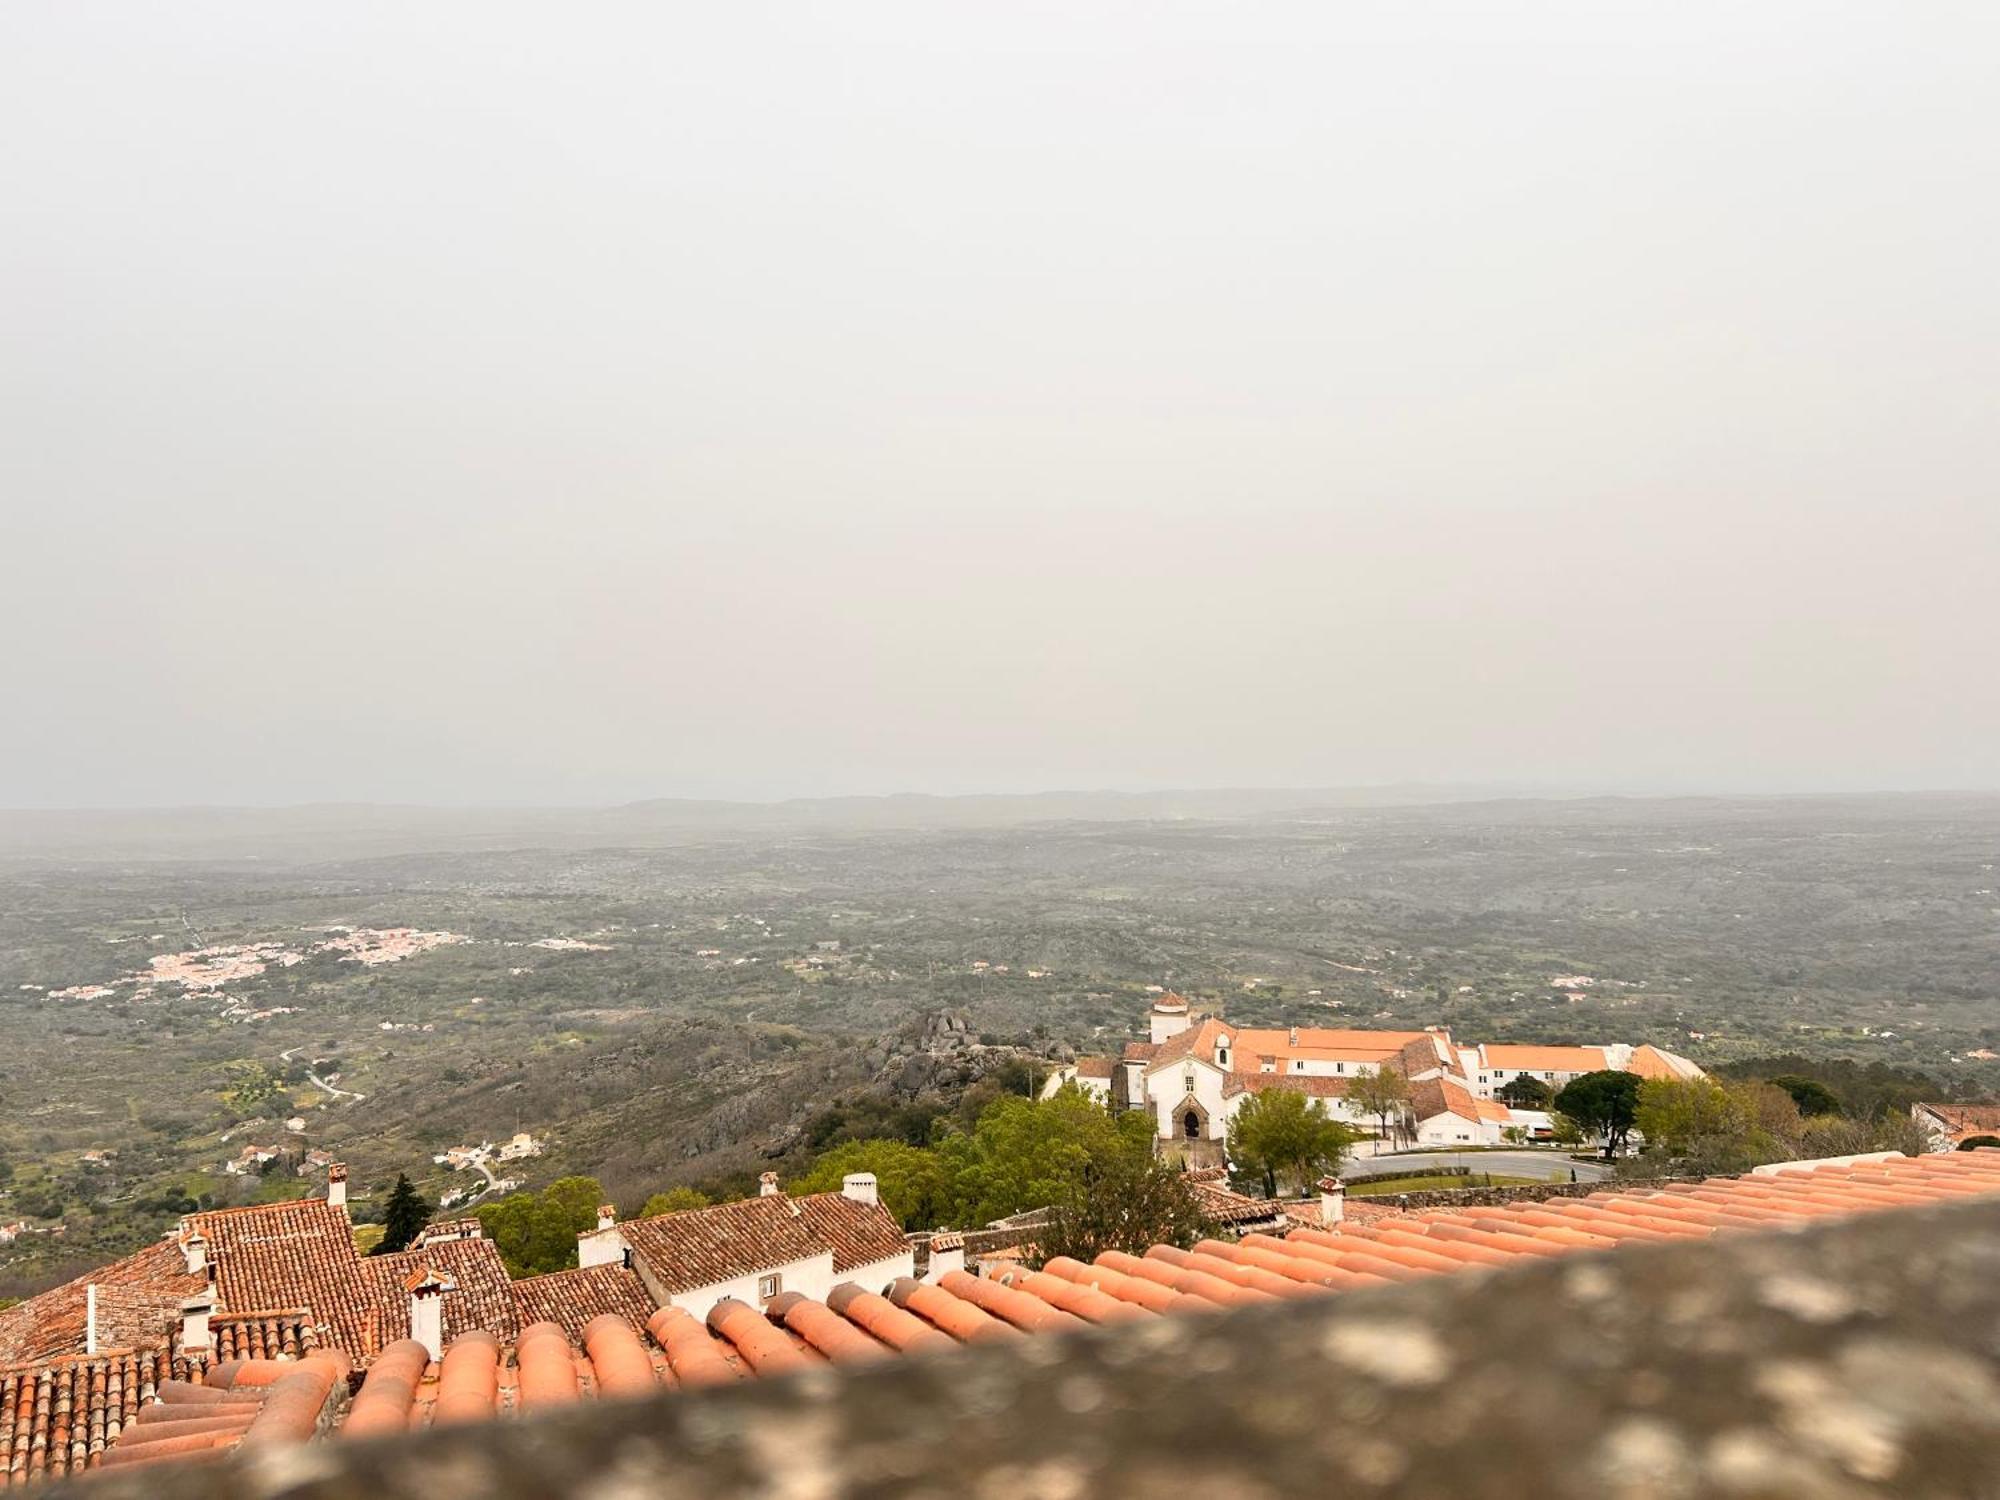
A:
[(1525, 1091), (911, 1179), (1810, 1095), (1024, 1153), (403, 1219), (1705, 1126), (1281, 1133), (674, 1201), (1978, 1142), (1604, 1103), (1122, 1202), (1381, 1092), (536, 1232)]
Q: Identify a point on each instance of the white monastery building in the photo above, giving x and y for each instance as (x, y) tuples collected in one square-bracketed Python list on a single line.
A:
[(1193, 1075)]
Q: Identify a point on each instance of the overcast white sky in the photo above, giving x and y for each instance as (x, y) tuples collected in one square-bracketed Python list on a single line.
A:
[(496, 402)]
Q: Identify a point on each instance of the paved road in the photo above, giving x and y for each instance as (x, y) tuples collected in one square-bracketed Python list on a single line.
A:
[(492, 1182), (1548, 1165), (338, 1093)]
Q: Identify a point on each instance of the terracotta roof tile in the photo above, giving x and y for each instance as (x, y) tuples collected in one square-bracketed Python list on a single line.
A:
[(570, 1299), (138, 1298), (703, 1246), (1532, 1059), (860, 1234)]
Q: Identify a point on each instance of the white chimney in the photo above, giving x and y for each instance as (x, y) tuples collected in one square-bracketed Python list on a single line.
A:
[(860, 1186), (195, 1313), (194, 1245), (90, 1318), (767, 1185), (1332, 1202), (336, 1185), (607, 1215), (427, 1288)]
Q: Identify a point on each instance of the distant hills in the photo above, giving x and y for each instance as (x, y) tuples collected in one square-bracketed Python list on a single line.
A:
[(335, 830), (339, 830)]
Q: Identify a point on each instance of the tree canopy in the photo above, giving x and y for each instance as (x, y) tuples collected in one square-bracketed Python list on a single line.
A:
[(673, 1201), (536, 1232), (1280, 1133), (1809, 1094), (1604, 1103), (1525, 1091), (403, 1219), (1024, 1153), (1380, 1092), (1122, 1202), (911, 1179)]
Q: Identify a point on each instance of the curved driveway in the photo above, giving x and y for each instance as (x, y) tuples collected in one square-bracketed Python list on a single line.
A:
[(1550, 1166)]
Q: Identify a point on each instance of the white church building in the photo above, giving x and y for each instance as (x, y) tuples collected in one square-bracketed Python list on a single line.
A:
[(1192, 1075)]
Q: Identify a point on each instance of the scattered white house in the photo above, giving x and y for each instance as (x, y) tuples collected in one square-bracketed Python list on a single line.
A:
[(1091, 1074), (520, 1147), (1946, 1125)]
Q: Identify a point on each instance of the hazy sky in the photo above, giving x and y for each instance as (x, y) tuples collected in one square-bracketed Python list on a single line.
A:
[(468, 402)]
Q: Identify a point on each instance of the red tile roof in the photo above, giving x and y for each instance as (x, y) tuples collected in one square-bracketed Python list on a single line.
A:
[(570, 1299), (700, 1247), (1430, 1097), (58, 1417), (246, 1403), (294, 1254), (481, 1378), (860, 1234), (1961, 1121), (480, 1296), (138, 1296)]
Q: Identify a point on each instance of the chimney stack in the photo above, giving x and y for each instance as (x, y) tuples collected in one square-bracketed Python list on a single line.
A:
[(195, 1313), (860, 1186), (194, 1245), (336, 1185), (767, 1185), (1332, 1202), (607, 1215), (427, 1288)]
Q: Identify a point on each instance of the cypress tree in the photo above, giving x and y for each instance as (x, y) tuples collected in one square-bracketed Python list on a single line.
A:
[(405, 1219)]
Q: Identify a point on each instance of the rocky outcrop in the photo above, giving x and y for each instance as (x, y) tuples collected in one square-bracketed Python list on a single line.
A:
[(940, 1054)]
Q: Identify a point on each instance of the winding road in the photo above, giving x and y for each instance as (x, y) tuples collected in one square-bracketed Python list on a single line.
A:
[(337, 1092)]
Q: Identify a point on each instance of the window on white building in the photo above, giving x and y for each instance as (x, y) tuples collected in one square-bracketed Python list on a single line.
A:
[(769, 1287), (1222, 1057), (1298, 1065), (1187, 1078)]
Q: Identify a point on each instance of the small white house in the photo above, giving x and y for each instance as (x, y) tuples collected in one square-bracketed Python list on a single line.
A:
[(758, 1248)]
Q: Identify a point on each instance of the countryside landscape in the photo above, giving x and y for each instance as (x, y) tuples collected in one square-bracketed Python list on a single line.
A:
[(716, 1001)]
